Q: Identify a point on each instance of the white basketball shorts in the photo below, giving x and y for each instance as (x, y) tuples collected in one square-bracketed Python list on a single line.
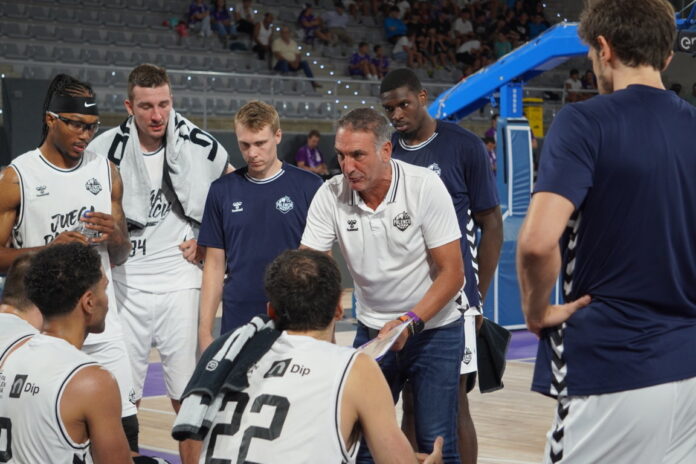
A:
[(113, 356), (655, 425), (167, 322)]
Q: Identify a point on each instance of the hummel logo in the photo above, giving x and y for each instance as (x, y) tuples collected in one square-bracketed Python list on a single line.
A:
[(89, 105), (42, 191), (237, 207), (352, 225)]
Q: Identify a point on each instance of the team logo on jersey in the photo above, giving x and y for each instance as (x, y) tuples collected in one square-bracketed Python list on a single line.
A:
[(435, 168), (211, 366), (402, 221), (42, 191), (131, 396), (237, 207), (285, 204), (467, 356), (93, 186), (352, 225), (278, 368)]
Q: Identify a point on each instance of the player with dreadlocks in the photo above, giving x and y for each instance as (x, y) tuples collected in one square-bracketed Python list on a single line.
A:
[(62, 193)]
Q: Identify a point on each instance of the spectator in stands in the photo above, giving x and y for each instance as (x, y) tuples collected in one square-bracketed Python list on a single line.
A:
[(439, 51), (380, 61), (502, 45), (361, 63), (469, 50), (462, 25), (692, 97), (199, 18), (572, 85), (589, 80), (405, 51), (394, 27), (287, 55), (310, 24), (309, 157), (521, 26), (262, 36), (245, 16), (404, 7), (490, 149), (537, 26), (221, 22), (336, 22), (493, 129)]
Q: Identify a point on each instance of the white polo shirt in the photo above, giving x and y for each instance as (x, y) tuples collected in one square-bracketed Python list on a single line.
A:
[(386, 249)]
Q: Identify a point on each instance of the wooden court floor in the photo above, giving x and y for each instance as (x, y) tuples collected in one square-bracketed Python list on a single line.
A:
[(511, 423)]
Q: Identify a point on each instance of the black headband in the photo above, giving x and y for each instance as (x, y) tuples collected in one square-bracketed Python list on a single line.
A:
[(69, 104)]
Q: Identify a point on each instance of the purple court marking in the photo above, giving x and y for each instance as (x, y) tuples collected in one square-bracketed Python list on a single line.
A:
[(154, 382), (172, 458), (523, 345)]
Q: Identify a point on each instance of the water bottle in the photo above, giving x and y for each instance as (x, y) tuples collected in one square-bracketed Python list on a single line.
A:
[(86, 231)]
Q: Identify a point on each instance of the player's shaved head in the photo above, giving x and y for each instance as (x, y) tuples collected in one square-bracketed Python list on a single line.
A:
[(304, 288), (14, 293)]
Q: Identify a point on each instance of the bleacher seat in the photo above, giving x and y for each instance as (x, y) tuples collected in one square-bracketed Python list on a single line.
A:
[(69, 34), (197, 83), (66, 55), (144, 40), (87, 16), (42, 32), (119, 58), (39, 13), (93, 56), (178, 81), (95, 77), (15, 10), (38, 53), (220, 108), (110, 18), (63, 16), (140, 57), (222, 84), (11, 51), (35, 72), (246, 84), (131, 20), (198, 63), (14, 30), (117, 79), (182, 104)]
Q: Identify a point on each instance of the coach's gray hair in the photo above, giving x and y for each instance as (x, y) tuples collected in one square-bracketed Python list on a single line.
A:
[(367, 120)]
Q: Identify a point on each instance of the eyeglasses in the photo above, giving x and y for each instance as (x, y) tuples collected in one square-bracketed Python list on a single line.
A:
[(77, 126)]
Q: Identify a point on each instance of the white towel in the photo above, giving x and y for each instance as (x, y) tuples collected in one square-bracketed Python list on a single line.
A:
[(193, 158)]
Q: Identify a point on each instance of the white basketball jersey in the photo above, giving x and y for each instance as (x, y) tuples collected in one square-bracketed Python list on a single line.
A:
[(291, 411), (32, 383), (156, 264), (53, 200), (13, 330)]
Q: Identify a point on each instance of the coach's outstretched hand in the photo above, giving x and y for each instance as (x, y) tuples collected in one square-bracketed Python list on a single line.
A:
[(436, 456)]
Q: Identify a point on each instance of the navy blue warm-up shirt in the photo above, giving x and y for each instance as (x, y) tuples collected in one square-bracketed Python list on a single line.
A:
[(254, 221), (459, 157), (627, 161)]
